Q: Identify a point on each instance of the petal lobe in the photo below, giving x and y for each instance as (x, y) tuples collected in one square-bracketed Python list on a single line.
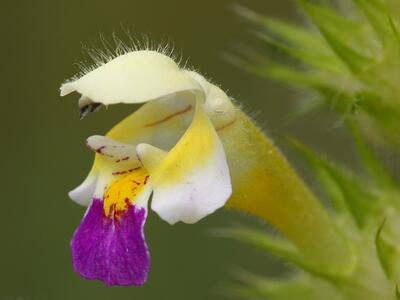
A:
[(113, 252)]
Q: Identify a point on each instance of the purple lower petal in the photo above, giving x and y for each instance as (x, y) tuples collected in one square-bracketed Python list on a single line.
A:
[(111, 250)]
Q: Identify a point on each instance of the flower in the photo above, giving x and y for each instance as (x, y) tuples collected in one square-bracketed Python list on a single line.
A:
[(168, 148), (191, 148)]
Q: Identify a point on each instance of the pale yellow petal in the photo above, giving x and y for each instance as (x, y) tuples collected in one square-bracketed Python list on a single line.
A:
[(134, 77), (192, 180)]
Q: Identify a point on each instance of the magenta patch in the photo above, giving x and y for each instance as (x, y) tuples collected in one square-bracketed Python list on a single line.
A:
[(113, 251)]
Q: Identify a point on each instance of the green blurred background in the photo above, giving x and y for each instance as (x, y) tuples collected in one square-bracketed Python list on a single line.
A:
[(44, 154)]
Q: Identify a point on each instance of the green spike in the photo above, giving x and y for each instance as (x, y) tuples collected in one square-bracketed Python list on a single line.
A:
[(372, 165), (293, 34), (336, 30), (324, 17), (313, 81), (376, 13), (340, 100), (346, 191), (240, 62), (298, 287), (307, 46), (397, 292), (360, 200), (300, 44), (386, 252), (274, 245), (330, 186), (394, 28), (312, 57), (356, 62), (286, 251)]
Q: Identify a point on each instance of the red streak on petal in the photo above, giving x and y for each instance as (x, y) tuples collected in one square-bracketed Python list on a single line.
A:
[(226, 125), (169, 117), (119, 172)]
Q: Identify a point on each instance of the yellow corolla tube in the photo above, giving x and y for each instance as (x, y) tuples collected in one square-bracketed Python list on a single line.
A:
[(195, 151)]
